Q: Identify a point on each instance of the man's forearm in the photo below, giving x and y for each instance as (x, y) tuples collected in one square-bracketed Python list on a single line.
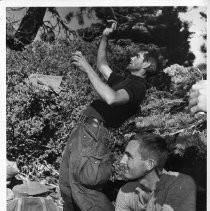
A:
[(104, 91), (101, 57)]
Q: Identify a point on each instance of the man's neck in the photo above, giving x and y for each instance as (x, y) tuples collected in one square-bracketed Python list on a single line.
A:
[(139, 74), (150, 180)]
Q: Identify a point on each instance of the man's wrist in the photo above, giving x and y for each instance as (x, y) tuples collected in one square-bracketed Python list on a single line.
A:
[(104, 37), (89, 70)]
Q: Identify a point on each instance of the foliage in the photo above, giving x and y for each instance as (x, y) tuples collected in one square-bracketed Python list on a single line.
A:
[(166, 113), (149, 25), (34, 22), (204, 35), (160, 26), (182, 78), (27, 29), (203, 68), (39, 121)]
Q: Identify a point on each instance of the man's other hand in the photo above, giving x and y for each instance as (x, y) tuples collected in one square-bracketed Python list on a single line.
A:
[(198, 97), (79, 61)]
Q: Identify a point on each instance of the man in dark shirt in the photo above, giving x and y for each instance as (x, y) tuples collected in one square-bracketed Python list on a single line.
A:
[(86, 162)]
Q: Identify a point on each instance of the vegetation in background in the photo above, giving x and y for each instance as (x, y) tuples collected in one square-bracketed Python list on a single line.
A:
[(158, 25), (39, 121), (204, 35)]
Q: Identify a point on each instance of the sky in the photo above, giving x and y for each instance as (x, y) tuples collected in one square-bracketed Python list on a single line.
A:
[(198, 26)]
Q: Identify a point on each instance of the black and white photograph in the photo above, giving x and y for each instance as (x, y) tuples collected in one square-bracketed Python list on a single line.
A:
[(106, 107)]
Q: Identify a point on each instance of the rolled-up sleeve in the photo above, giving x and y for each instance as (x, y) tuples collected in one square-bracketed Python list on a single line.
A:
[(136, 92), (114, 78)]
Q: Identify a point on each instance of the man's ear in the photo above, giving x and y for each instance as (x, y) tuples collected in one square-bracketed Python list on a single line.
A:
[(150, 164), (151, 63)]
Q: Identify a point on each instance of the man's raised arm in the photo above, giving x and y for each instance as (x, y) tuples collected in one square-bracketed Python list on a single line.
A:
[(109, 95), (101, 56)]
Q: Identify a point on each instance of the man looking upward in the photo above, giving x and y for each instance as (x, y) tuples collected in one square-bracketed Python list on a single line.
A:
[(86, 163)]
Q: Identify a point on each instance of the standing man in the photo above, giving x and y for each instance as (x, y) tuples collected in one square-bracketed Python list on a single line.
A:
[(86, 163), (152, 188)]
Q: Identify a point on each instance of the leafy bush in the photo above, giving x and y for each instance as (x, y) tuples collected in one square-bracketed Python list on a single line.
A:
[(182, 78), (39, 121)]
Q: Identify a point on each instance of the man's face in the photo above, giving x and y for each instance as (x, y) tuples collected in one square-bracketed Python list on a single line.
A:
[(137, 62), (134, 164)]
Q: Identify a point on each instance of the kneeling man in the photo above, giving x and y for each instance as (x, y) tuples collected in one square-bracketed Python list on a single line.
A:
[(152, 188)]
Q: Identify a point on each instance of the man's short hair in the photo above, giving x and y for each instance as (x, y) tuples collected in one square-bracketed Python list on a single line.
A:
[(152, 54), (152, 146), (153, 68)]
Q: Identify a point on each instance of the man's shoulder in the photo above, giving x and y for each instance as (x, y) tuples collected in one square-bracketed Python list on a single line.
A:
[(175, 190), (172, 178)]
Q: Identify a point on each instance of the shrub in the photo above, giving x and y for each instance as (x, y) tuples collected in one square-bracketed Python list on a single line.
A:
[(39, 121)]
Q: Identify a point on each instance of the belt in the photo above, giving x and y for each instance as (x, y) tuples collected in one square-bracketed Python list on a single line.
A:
[(91, 120)]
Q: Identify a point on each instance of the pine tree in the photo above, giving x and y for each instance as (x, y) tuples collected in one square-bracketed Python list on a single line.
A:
[(203, 46), (160, 26)]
